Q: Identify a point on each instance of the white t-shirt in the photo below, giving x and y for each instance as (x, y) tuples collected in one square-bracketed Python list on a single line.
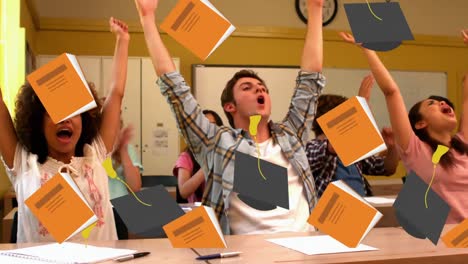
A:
[(247, 220), (28, 175)]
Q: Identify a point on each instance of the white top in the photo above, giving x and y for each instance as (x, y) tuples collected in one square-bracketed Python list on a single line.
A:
[(247, 220), (28, 175)]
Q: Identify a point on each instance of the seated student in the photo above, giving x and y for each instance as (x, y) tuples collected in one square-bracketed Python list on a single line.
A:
[(35, 149), (429, 123), (325, 164), (246, 95), (192, 185), (128, 168)]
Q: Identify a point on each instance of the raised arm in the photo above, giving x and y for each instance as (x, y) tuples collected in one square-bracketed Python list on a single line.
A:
[(464, 116), (465, 36), (162, 61), (8, 137), (395, 104), (312, 54), (130, 171), (310, 82), (111, 110)]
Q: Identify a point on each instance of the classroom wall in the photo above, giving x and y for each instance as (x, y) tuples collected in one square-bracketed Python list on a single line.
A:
[(27, 21), (281, 44)]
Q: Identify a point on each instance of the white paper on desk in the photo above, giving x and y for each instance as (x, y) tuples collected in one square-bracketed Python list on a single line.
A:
[(68, 252), (315, 245), (380, 200)]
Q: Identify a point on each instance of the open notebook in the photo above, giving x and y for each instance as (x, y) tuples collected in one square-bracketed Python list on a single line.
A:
[(70, 253)]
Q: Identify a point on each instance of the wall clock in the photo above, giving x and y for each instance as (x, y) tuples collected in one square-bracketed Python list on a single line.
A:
[(330, 7)]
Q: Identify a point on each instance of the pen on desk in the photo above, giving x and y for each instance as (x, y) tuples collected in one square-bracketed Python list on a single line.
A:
[(219, 255), (132, 256)]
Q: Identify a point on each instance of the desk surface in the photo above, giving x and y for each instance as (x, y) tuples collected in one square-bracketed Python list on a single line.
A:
[(395, 247), (161, 250)]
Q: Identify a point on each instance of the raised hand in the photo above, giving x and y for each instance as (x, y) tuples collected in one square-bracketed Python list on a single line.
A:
[(366, 87), (465, 36), (126, 134), (146, 7), (348, 38), (119, 28)]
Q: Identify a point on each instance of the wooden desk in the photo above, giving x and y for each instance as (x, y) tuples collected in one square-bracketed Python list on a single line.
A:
[(161, 251), (386, 187), (388, 219), (395, 247)]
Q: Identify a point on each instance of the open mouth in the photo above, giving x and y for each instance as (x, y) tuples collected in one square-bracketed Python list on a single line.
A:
[(446, 110), (64, 134), (261, 100)]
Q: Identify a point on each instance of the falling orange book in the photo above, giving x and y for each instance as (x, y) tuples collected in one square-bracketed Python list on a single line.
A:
[(343, 214), (352, 131), (198, 228), (198, 26), (61, 207), (62, 88), (457, 237)]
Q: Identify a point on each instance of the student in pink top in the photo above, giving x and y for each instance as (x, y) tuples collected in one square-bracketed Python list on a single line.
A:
[(430, 122), (190, 178)]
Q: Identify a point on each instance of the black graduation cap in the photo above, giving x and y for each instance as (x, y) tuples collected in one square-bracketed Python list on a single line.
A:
[(253, 189), (147, 221), (378, 26), (412, 214)]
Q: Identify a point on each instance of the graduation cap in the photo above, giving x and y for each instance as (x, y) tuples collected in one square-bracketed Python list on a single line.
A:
[(412, 214), (378, 26), (147, 221), (253, 189)]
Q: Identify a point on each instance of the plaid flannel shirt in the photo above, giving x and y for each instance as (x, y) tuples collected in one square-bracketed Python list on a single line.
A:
[(214, 147), (323, 166)]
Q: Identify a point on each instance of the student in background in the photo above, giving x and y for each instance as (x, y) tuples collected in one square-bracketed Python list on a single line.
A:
[(34, 149), (326, 166), (429, 123), (128, 168), (246, 95), (126, 164), (190, 177)]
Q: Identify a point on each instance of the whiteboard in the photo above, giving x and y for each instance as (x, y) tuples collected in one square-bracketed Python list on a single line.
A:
[(209, 81)]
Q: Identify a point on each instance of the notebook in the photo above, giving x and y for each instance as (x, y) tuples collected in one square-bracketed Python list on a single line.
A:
[(344, 215), (62, 88), (69, 253)]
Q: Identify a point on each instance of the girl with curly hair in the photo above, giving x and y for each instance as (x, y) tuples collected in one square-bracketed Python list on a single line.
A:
[(34, 149)]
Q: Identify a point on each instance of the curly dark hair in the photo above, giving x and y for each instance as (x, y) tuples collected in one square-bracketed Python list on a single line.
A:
[(326, 102), (29, 123), (414, 115)]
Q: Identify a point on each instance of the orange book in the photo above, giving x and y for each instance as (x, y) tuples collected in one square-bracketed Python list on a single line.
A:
[(457, 237), (61, 207), (343, 214), (352, 131), (198, 26), (62, 88), (198, 228)]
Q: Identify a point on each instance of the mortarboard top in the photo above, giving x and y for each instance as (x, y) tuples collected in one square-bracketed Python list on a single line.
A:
[(412, 214), (381, 32), (147, 221), (256, 192)]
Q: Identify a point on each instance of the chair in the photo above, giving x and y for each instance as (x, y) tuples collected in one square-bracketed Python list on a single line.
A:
[(14, 228)]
